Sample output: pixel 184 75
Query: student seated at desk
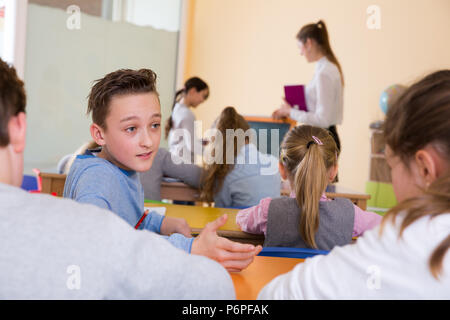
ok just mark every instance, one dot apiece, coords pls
pixel 407 256
pixel 164 166
pixel 180 128
pixel 53 248
pixel 307 219
pixel 126 124
pixel 248 177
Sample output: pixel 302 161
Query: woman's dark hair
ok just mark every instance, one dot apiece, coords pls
pixel 319 33
pixel 194 82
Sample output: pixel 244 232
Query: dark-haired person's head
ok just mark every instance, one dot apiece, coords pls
pixel 194 92
pixel 12 125
pixel 118 83
pixel 126 116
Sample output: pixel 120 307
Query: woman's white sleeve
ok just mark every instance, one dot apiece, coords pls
pixel 324 115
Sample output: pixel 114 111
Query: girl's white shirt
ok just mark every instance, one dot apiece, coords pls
pixel 183 118
pixel 324 97
pixel 375 267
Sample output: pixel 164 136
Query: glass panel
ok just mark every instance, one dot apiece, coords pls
pixel 72 43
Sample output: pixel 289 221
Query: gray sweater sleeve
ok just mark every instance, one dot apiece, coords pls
pixel 54 248
pixel 157 270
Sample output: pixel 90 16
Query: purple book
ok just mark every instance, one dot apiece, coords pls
pixel 295 96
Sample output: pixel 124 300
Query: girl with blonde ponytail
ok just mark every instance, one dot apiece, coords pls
pixel 407 256
pixel 307 219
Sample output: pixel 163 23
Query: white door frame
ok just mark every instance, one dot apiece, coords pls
pixel 182 45
pixel 14 45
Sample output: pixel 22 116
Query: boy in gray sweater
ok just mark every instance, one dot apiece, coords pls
pixel 54 248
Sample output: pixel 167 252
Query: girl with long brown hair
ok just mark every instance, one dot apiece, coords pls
pixel 407 257
pixel 233 179
pixel 324 94
pixel 307 219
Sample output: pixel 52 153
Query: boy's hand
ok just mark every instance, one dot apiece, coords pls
pixel 175 225
pixel 233 256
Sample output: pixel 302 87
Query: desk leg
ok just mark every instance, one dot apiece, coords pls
pixel 362 203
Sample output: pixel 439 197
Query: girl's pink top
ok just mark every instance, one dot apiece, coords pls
pixel 254 219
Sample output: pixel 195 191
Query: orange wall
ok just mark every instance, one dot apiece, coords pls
pixel 246 51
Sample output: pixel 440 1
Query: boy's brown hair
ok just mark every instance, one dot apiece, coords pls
pixel 12 99
pixel 120 82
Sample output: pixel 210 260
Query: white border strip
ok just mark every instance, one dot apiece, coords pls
pixel 15 34
pixel 182 47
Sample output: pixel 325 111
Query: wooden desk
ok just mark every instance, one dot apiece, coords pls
pixel 334 191
pixel 249 282
pixel 178 191
pixel 358 198
pixel 183 192
pixel 197 217
pixel 53 182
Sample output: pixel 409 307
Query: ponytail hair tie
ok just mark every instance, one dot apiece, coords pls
pixel 317 140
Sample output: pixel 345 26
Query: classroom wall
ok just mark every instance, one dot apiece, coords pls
pixel 62 64
pixel 246 50
pixel 92 7
pixel 160 14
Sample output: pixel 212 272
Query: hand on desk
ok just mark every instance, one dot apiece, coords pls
pixel 233 256
pixel 171 225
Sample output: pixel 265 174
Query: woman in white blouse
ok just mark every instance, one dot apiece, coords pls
pixel 324 94
pixel 181 142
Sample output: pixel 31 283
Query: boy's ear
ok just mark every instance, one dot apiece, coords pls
pixel 17 130
pixel 97 134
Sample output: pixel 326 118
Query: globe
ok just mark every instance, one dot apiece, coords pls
pixel 389 95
